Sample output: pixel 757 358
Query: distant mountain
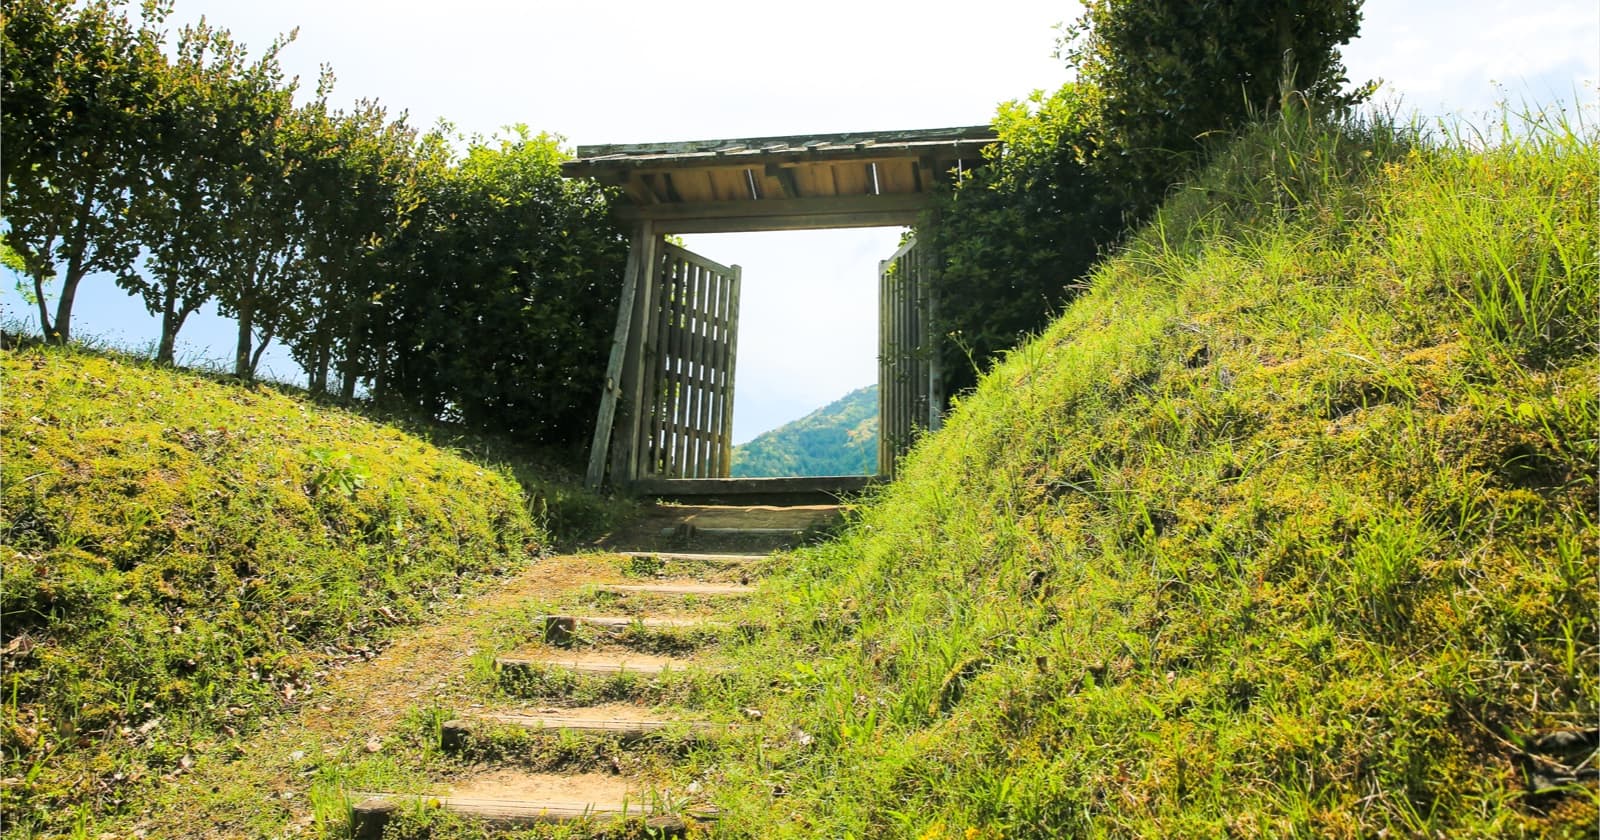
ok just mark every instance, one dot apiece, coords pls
pixel 838 439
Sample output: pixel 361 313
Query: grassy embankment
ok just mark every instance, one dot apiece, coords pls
pixel 1285 528
pixel 185 558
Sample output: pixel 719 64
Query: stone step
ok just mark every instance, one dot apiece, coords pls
pixel 454 733
pixel 703 589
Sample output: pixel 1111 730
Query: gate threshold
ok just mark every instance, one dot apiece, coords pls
pixel 792 490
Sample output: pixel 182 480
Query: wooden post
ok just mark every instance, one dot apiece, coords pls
pixel 933 339
pixel 637 374
pixel 598 449
pixel 885 399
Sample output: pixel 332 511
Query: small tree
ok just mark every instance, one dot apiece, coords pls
pixel 359 185
pixel 77 83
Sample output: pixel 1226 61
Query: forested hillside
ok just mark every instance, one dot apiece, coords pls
pixel 840 438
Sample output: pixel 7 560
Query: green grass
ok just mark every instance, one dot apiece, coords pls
pixel 185 558
pixel 1285 528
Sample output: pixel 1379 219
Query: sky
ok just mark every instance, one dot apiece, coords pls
pixel 633 72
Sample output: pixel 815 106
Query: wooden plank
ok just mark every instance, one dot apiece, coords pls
pixel 853 178
pixel 835 486
pixel 696 364
pixel 586 668
pixel 693 186
pixel 704 394
pixel 708 373
pixel 730 356
pixel 662 407
pixel 729 184
pixel 878 138
pixel 930 266
pixel 786 222
pixel 673 416
pixel 972 152
pixel 685 370
pixel 692 557
pixel 691 256
pixel 813 180
pixel 896 177
pixel 623 622
pixel 701 589
pixel 456 733
pixel 719 374
pixel 373 812
pixel 598 448
pixel 885 400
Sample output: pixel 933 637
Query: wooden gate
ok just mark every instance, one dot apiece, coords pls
pixel 910 393
pixel 685 425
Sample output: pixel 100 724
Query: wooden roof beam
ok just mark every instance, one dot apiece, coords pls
pixel 780 214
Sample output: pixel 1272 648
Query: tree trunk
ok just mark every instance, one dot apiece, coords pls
pixel 241 353
pixel 261 348
pixel 62 332
pixel 44 308
pixel 319 365
pixel 354 335
pixel 170 322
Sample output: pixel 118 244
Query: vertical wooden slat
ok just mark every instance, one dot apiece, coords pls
pixel 712 371
pixel 660 427
pixel 730 357
pixel 691 373
pixel 720 468
pixel 598 448
pixel 885 400
pixel 649 457
pixel 929 262
pixel 702 391
pixel 675 376
pixel 680 348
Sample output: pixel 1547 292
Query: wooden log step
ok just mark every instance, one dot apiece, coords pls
pixel 692 557
pixel 622 622
pixel 690 531
pixel 373 812
pixel 604 666
pixel 454 733
pixel 704 589
pixel 561 629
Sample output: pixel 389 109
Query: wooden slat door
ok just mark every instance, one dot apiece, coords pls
pixel 910 397
pixel 690 350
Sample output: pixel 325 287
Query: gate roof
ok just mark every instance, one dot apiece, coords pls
pixel 782 183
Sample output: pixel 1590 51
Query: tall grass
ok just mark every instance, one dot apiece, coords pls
pixel 1279 531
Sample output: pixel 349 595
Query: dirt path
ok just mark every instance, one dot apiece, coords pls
pixel 358 732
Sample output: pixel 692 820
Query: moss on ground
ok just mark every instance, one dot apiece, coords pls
pixel 185 557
